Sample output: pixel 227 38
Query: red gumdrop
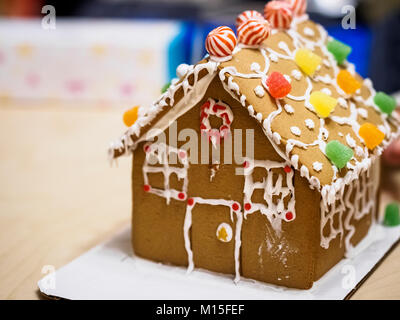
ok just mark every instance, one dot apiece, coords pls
pixel 278 86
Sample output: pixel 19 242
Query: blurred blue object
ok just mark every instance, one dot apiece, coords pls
pixel 180 48
pixel 360 40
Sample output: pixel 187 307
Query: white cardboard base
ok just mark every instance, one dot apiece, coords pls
pixel 111 271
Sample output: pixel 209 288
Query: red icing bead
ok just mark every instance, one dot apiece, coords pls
pixel 181 195
pixel 247 206
pixel 190 201
pixel 235 206
pixel 278 86
pixel 288 169
pixel 146 148
pixel 182 154
pixel 289 216
pixel 246 164
pixel 146 188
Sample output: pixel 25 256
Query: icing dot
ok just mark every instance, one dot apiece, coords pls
pixel 289 109
pixel 246 164
pixel 317 166
pixel 350 141
pixel 326 91
pixel 363 113
pixel 190 201
pixel 181 196
pixel 295 130
pixel 308 31
pixel 247 206
pixel 289 216
pixel 309 124
pixel 296 74
pixel 182 154
pixel 182 70
pixel 342 102
pixel 235 206
pixel 273 57
pixel 146 188
pixel 287 169
pixel 259 91
pixel 146 148
pixel 255 67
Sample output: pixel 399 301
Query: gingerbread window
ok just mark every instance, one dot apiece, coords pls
pixel 173 164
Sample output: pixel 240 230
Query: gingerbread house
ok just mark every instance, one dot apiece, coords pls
pixel 309 192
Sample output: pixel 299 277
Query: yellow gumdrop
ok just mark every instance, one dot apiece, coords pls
pixel 307 61
pixel 347 82
pixel 323 103
pixel 130 116
pixel 371 135
pixel 222 235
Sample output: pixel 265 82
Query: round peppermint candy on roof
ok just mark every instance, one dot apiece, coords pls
pixel 279 14
pixel 253 32
pixel 247 15
pixel 298 7
pixel 220 42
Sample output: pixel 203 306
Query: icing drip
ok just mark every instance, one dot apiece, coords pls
pixel 273 209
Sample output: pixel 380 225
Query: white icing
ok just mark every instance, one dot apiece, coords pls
pixel 326 91
pixel 309 124
pixel 259 91
pixel 317 166
pixel 295 130
pixel 288 108
pixel 296 74
pixel 308 32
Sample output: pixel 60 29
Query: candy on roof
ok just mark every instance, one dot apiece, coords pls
pixel 300 136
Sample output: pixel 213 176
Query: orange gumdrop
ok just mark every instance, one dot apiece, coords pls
pixel 130 116
pixel 371 135
pixel 347 82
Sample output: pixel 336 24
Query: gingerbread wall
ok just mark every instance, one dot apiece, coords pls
pixel 292 257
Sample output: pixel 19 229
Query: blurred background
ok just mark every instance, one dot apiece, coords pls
pixel 119 52
pixel 68 69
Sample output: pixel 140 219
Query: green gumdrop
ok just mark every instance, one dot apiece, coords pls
pixel 338 153
pixel 165 87
pixel 392 215
pixel 339 50
pixel 385 102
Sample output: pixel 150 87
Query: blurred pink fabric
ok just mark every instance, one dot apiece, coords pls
pixel 391 156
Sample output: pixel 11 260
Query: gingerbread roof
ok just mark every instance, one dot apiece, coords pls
pixel 291 124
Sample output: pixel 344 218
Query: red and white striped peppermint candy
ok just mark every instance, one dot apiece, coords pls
pixel 247 15
pixel 220 42
pixel 298 7
pixel 279 14
pixel 253 32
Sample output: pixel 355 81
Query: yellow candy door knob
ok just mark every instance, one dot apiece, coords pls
pixel 130 116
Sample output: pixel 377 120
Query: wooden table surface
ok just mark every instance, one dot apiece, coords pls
pixel 59 196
